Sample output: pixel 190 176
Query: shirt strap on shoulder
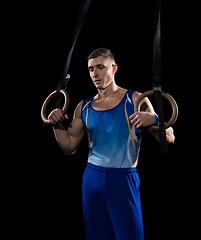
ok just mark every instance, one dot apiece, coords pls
pixel 86 103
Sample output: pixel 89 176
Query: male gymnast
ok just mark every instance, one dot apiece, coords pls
pixel 110 191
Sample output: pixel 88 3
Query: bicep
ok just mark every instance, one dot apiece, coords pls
pixel 76 129
pixel 145 104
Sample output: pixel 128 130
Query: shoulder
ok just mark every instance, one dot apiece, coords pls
pixel 82 106
pixel 135 96
pixel 78 109
pixel 122 91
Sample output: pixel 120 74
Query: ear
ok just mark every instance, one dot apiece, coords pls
pixel 114 68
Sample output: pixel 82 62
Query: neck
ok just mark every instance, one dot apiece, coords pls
pixel 108 91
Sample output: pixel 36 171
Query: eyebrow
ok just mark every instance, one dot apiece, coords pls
pixel 97 65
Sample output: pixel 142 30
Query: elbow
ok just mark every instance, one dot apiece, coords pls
pixel 170 137
pixel 170 140
pixel 68 152
pixel 67 149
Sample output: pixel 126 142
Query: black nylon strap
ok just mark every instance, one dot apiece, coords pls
pixel 157 76
pixel 162 133
pixel 80 21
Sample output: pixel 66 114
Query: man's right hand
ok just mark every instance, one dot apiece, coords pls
pixel 70 139
pixel 56 116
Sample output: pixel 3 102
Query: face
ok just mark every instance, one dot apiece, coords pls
pixel 102 71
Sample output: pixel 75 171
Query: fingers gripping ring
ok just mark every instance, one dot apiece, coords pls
pixel 48 99
pixel 171 101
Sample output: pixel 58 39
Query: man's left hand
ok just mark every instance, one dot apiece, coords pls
pixel 142 119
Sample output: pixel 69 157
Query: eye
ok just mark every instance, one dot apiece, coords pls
pixel 101 67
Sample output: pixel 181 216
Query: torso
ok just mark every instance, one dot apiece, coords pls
pixel 113 141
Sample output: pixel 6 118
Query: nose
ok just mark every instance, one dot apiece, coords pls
pixel 95 74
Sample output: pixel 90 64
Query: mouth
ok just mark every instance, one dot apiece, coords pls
pixel 97 81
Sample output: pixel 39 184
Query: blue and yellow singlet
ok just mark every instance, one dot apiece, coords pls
pixel 113 141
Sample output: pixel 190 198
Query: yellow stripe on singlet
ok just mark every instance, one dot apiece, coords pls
pixel 129 128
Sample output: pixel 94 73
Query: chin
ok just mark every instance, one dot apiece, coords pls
pixel 99 87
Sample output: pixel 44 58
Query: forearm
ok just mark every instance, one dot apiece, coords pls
pixel 63 138
pixel 147 118
pixel 169 135
pixel 70 139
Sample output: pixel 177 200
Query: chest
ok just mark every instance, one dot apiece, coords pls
pixel 106 124
pixel 108 117
pixel 106 104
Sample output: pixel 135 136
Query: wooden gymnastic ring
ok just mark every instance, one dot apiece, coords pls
pixel 48 99
pixel 171 101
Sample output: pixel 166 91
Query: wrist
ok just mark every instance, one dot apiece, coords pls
pixel 58 126
pixel 157 120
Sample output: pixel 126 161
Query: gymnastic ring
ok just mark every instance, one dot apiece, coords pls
pixel 48 99
pixel 171 101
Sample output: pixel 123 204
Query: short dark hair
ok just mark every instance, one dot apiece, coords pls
pixel 101 52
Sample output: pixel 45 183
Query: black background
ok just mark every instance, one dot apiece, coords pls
pixel 49 184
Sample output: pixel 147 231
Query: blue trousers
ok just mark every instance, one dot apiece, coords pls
pixel 111 203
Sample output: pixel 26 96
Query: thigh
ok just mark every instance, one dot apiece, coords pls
pixel 97 219
pixel 123 202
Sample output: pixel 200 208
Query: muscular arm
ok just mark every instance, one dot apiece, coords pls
pixel 146 118
pixel 70 139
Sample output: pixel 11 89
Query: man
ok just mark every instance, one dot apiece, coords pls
pixel 111 198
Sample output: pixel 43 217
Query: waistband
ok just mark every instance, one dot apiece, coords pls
pixel 119 170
